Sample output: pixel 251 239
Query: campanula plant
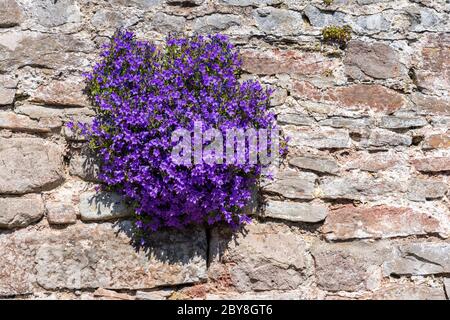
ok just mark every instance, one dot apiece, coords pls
pixel 141 95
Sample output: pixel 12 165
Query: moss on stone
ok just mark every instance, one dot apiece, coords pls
pixel 337 34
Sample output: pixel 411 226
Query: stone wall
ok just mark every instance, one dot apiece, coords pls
pixel 359 209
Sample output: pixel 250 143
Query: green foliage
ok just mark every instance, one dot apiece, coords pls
pixel 327 2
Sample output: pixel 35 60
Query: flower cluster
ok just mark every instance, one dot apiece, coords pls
pixel 142 94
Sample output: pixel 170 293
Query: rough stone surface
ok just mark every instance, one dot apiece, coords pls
pixel 376 60
pixel 423 189
pixel 87 256
pixel 28 164
pixel 420 258
pixel 316 163
pixel 296 211
pixel 366 174
pixel 351 222
pixel 10 13
pixel 355 266
pixel 18 212
pixel 262 257
pixel 97 206
pixel 293 185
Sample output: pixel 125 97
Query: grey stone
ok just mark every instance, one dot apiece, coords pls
pixel 394 122
pixel 54 13
pixel 89 256
pixel 98 206
pixel 216 23
pixel 296 211
pixel 10 14
pixel 349 266
pixel 246 3
pixel 356 186
pixel 140 4
pixel 85 165
pixel 382 139
pixel 320 19
pixel 263 257
pixel 162 294
pixel 371 24
pixel 292 185
pixel 323 138
pixel 409 292
pixel 420 258
pixel 295 119
pixel 279 22
pixel 20 211
pixel 52 51
pixel 353 124
pixel 424 189
pixel 29 164
pixel 105 19
pixel 164 23
pixel 186 2
pixel 316 163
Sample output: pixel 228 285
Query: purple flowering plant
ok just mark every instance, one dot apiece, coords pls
pixel 141 95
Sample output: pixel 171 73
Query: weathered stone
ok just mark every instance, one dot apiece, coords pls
pixel 29 164
pixel 86 256
pixel 420 258
pixel 97 206
pixel 20 211
pixel 105 19
pixel 265 295
pixel 85 165
pixel 15 122
pixel 162 294
pixel 55 113
pixel 277 61
pixel 433 164
pixel 54 13
pixel 10 14
pixel 164 23
pixel 112 295
pixel 370 24
pixel 351 222
pixel 353 124
pixel 294 119
pixel 323 138
pixel 264 257
pixel 61 93
pixel 354 97
pixel 409 292
pixel 280 22
pixel 296 211
pixel 376 60
pixel 216 23
pixel 292 185
pixel 318 18
pixel 373 162
pixel 245 3
pixel 429 105
pixel 426 189
pixel 393 122
pixel 316 163
pixel 447 286
pixel 7 90
pixel 385 139
pixel 349 266
pixel 433 73
pixel 53 51
pixel 60 213
pixel 356 186
pixel 437 141
pixel 141 4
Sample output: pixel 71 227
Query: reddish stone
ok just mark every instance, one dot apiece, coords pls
pixel 373 162
pixel 429 105
pixel 434 164
pixel 437 141
pixel 61 93
pixel 277 61
pixel 357 96
pixel 351 222
pixel 433 73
